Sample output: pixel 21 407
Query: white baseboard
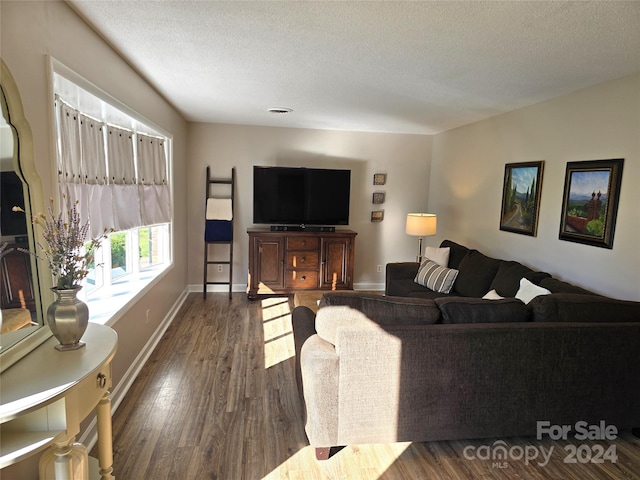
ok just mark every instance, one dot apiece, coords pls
pixel 375 287
pixel 90 435
pixel 236 287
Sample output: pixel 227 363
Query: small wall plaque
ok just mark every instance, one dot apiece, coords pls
pixel 380 179
pixel 378 198
pixel 377 215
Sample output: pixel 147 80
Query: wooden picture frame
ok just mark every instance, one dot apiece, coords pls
pixel 377 216
pixel 590 201
pixel 378 198
pixel 521 192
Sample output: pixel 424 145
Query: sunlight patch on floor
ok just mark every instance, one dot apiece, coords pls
pixel 350 462
pixel 278 334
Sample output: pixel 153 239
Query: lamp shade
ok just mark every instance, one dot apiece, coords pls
pixel 421 224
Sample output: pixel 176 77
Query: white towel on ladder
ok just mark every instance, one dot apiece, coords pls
pixel 219 209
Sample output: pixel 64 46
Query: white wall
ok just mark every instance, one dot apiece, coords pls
pixel 405 159
pixel 467 171
pixel 29 32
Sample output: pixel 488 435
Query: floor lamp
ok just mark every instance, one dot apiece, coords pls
pixel 421 225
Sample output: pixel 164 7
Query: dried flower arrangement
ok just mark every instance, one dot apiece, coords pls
pixel 66 250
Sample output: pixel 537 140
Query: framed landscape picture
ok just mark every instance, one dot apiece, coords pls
pixel 521 197
pixel 590 201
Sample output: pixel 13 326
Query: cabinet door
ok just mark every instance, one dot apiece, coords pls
pixel 336 263
pixel 269 268
pixel 15 280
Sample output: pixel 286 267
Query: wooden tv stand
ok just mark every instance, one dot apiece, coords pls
pixel 289 261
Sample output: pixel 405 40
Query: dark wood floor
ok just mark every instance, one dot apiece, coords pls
pixel 218 400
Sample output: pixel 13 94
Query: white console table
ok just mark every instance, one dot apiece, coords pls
pixel 45 396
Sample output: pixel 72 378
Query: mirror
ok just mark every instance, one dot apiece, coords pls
pixel 22 326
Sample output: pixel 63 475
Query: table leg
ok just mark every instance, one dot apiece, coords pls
pixel 105 442
pixel 65 461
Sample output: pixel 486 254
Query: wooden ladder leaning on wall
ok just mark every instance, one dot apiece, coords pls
pixel 219 220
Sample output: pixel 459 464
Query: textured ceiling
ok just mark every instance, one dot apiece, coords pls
pixel 406 67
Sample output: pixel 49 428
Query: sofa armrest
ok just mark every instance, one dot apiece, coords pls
pixel 370 385
pixel 320 371
pixel 400 271
pixel 303 322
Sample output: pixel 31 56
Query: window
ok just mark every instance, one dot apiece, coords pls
pixel 115 166
pixel 152 246
pixel 120 260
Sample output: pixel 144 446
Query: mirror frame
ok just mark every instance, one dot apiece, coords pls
pixel 26 164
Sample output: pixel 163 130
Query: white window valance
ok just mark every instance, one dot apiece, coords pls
pixel 69 154
pixel 97 168
pixel 94 165
pixel 152 161
pixel 122 178
pixel 95 195
pixel 152 177
pixel 122 170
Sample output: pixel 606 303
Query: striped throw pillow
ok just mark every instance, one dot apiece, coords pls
pixel 436 278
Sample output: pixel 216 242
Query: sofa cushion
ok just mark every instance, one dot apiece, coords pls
pixel 528 291
pixel 409 288
pixel 386 310
pixel 477 271
pixel 435 277
pixel 577 307
pixel 507 279
pixel 438 255
pixel 558 286
pixel 456 252
pixel 478 310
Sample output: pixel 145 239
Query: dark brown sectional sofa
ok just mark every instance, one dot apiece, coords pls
pixel 478 275
pixel 418 366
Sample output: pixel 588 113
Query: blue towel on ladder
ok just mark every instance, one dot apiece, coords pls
pixel 218 231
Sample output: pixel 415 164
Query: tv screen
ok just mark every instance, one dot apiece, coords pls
pixel 301 196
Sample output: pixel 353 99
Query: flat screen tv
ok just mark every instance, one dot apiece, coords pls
pixel 301 196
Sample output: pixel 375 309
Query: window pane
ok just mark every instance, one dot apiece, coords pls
pixel 151 245
pixel 94 278
pixel 118 254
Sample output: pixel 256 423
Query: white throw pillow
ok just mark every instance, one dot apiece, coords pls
pixel 438 255
pixel 492 295
pixel 528 291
